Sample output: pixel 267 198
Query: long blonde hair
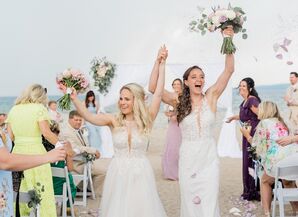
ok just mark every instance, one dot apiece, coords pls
pixel 268 109
pixel 140 110
pixel 33 94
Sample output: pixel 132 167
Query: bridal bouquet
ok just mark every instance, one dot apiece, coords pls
pixel 221 18
pixel 70 78
pixel 102 72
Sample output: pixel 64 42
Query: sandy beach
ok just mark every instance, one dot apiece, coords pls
pixel 230 180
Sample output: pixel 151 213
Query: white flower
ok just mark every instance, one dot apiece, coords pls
pixel 101 71
pixel 66 73
pixel 230 14
pixel 210 27
pixel 220 12
pixel 215 20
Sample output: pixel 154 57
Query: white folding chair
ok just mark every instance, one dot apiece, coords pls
pixel 86 178
pixel 25 198
pixel 66 193
pixel 286 169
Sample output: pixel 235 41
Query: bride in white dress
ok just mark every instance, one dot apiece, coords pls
pixel 129 188
pixel 198 159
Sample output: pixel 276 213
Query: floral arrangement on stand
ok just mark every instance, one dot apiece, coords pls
pixel 69 79
pixel 221 18
pixel 35 196
pixel 102 72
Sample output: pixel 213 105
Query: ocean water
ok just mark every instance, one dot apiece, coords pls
pixel 273 93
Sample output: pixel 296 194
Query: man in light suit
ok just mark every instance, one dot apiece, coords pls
pixel 72 133
pixel 291 99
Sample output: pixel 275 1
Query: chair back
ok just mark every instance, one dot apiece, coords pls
pixel 287 168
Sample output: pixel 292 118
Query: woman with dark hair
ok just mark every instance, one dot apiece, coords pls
pixel 198 159
pixel 170 157
pixel 248 116
pixel 93 131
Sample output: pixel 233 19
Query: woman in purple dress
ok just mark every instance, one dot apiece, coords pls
pixel 170 157
pixel 248 115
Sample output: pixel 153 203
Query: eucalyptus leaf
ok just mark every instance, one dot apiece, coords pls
pixel 244 36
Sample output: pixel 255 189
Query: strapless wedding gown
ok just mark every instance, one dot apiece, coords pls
pixel 129 188
pixel 199 164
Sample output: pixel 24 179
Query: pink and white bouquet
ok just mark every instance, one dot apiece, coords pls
pixel 69 79
pixel 221 18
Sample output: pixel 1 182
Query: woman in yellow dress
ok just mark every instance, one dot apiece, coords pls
pixel 27 121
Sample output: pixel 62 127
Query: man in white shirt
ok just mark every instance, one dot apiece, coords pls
pixel 72 133
pixel 291 99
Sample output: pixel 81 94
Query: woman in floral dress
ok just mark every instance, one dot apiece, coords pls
pixel 269 130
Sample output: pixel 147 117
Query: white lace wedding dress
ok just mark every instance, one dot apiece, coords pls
pixel 199 164
pixel 129 189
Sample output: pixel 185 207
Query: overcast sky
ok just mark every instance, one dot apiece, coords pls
pixel 38 39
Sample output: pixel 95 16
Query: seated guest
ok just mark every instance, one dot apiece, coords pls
pixel 269 130
pixel 57 181
pixel 54 114
pixel 72 133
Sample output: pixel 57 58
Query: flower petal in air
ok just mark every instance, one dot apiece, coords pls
pixel 196 200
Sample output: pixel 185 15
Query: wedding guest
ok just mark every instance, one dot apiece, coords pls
pixel 17 162
pixel 291 99
pixel 54 114
pixel 27 121
pixel 170 157
pixel 270 129
pixel 248 115
pixel 73 134
pixel 94 136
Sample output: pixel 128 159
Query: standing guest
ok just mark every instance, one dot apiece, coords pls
pixel 270 129
pixel 248 115
pixel 16 162
pixel 94 137
pixel 198 158
pixel 54 114
pixel 130 188
pixel 170 157
pixel 27 121
pixel 291 99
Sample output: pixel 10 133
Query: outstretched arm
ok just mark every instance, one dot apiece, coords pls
pixel 217 89
pixel 167 97
pixel 157 96
pixel 97 119
pixel 18 162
